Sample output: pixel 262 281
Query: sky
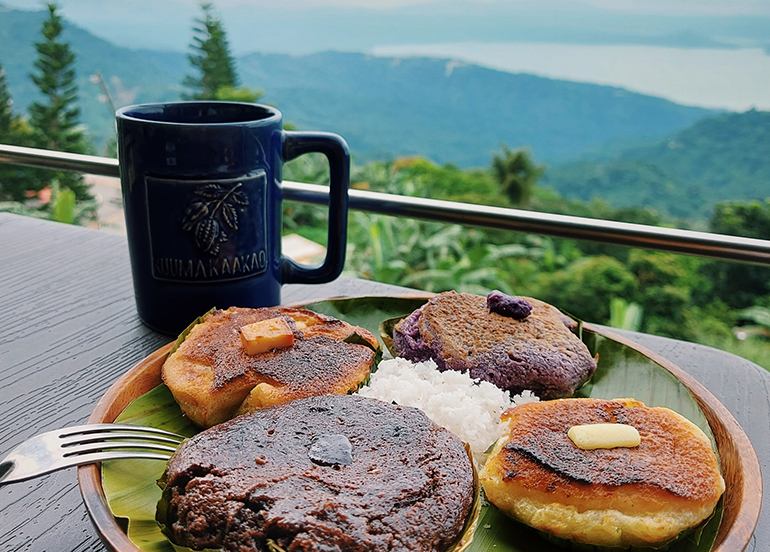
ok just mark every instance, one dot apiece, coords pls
pixel 301 26
pixel 634 6
pixel 686 7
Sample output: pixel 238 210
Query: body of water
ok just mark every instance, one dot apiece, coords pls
pixel 735 79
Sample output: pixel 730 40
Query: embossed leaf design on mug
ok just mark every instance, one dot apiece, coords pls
pixel 214 209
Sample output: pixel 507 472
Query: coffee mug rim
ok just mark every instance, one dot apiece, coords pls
pixel 273 117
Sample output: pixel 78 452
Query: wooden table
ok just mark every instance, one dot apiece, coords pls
pixel 70 329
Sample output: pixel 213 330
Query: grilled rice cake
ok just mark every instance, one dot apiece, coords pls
pixel 619 497
pixel 213 378
pixel 458 332
pixel 326 473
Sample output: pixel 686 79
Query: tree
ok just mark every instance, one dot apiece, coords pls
pixel 587 286
pixel 6 109
pixel 14 180
pixel 420 177
pixel 517 174
pixel 665 281
pixel 55 119
pixel 210 56
pixel 739 285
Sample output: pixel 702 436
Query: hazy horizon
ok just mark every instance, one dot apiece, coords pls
pixel 703 53
pixel 733 79
pixel 303 26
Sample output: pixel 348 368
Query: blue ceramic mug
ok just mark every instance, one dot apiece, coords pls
pixel 201 188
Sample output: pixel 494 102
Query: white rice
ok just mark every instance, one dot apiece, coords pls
pixel 469 408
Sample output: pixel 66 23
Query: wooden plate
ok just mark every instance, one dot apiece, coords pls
pixel 740 467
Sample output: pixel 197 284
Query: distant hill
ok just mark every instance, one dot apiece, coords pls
pixel 719 158
pixel 444 110
pixel 454 112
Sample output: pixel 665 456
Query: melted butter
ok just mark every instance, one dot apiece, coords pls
pixel 604 436
pixel 266 335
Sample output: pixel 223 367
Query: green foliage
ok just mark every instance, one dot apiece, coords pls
pixel 586 287
pixel 19 208
pixel 742 218
pixel 759 323
pixel 433 256
pixel 685 175
pixel 756 314
pixel 625 315
pixel 14 180
pixel 63 204
pixel 664 281
pixel 6 108
pixel 55 119
pixel 212 61
pixel 737 284
pixel 417 176
pixel 517 174
pixel 62 207
pixel 237 94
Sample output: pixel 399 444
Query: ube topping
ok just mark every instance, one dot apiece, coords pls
pixel 517 308
pixel 409 343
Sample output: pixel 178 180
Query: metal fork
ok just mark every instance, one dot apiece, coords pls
pixel 84 444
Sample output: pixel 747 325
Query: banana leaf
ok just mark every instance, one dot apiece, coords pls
pixel 133 494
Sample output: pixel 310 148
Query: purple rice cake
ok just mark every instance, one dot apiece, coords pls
pixel 528 346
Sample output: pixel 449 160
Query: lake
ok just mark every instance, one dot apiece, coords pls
pixel 736 79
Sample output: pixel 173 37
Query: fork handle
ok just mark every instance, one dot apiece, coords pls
pixel 7 466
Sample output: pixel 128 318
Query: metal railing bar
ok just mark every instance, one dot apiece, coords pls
pixel 60 160
pixel 564 226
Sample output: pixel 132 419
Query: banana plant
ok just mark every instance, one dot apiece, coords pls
pixel 760 323
pixel 625 315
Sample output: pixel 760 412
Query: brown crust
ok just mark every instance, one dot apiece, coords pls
pixel 210 374
pixel 220 347
pixel 674 464
pixel 409 485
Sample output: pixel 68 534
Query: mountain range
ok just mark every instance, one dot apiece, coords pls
pixel 597 141
pixel 684 175
pixel 385 107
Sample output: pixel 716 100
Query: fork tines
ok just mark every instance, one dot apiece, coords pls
pixel 110 428
pixel 88 439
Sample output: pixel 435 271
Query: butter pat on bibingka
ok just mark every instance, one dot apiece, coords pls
pixel 528 347
pixel 641 496
pixel 239 360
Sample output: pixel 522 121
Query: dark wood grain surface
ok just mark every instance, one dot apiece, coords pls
pixel 70 329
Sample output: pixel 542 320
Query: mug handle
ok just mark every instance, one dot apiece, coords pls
pixel 336 151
